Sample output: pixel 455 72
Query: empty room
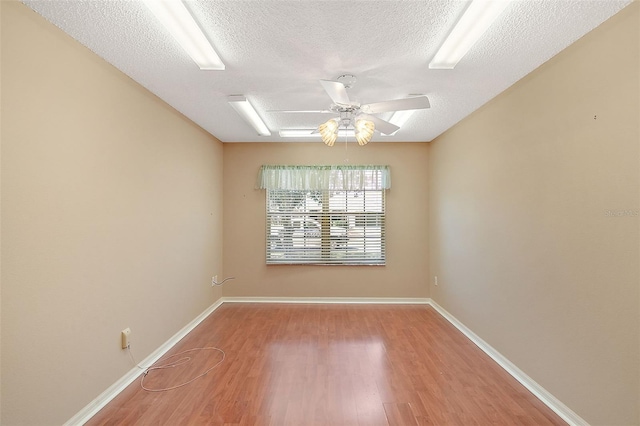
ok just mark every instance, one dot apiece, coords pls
pixel 320 212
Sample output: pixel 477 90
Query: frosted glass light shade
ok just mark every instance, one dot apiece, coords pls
pixel 329 132
pixel 364 131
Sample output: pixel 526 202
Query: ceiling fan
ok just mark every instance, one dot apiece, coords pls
pixel 356 116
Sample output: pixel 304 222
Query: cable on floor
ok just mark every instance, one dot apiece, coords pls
pixel 173 364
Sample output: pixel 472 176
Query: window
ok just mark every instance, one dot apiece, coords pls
pixel 325 214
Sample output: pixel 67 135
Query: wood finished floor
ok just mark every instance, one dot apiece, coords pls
pixel 308 364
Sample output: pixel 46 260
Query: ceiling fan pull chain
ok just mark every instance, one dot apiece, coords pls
pixel 346 135
pixel 346 146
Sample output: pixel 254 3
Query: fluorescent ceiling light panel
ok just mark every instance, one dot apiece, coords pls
pixel 472 25
pixel 299 133
pixel 309 133
pixel 246 111
pixel 399 118
pixel 174 15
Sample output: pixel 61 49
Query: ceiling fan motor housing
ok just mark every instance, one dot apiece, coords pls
pixel 347 80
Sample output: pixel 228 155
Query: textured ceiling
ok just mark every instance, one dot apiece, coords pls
pixel 275 51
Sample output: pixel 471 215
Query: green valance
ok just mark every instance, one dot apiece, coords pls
pixel 337 178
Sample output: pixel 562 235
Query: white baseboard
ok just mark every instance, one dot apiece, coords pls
pixel 112 391
pixel 361 300
pixel 542 394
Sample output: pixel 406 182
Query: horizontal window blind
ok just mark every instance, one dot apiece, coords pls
pixel 325 227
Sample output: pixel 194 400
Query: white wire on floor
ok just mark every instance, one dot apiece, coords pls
pixel 174 364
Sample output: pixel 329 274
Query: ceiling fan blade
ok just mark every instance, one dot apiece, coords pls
pixel 382 126
pixel 417 102
pixel 336 91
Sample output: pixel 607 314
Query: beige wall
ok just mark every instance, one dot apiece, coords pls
pixel 111 218
pixel 0 221
pixel 524 251
pixel 404 276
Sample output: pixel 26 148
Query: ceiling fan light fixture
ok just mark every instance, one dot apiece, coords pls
pixel 364 131
pixel 362 140
pixel 329 131
pixel 249 114
pixel 173 14
pixel 475 20
pixel 330 140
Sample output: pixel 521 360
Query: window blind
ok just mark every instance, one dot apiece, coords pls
pixel 327 225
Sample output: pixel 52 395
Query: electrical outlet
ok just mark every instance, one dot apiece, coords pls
pixel 435 280
pixel 214 280
pixel 126 336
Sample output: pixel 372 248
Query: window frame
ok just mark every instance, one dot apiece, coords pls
pixel 361 242
pixel 365 239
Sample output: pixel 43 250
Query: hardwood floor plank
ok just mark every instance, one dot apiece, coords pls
pixel 400 414
pixel 314 365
